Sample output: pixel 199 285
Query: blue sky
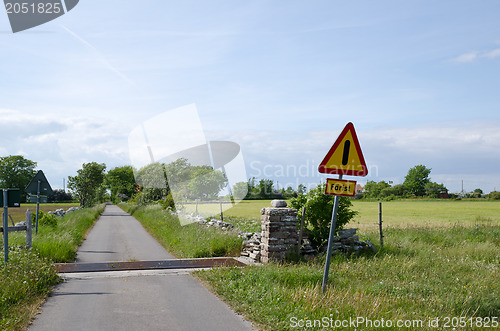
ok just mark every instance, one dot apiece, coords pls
pixel 420 80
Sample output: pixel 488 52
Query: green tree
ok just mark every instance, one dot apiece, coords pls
pixel 477 193
pixel 416 179
pixel 495 195
pixel 88 186
pixel 240 190
pixel 121 182
pixel 180 178
pixel 152 180
pixel 16 172
pixel 396 190
pixel 302 189
pixel 253 191
pixel 433 190
pixel 374 189
pixel 205 183
pixel 265 189
pixel 179 171
pixel 319 207
pixel 289 193
pixel 59 196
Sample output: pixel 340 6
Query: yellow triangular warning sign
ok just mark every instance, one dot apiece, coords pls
pixel 345 156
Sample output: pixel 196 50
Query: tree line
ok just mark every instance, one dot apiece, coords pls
pixel 93 184
pixel 417 183
pixel 151 183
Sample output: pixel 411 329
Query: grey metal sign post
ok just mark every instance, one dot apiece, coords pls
pixel 38 184
pixel 37 206
pixel 343 158
pixel 330 241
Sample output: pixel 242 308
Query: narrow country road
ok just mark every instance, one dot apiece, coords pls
pixel 131 300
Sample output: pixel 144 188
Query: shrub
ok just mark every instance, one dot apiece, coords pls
pixel 45 219
pixel 168 202
pixel 319 213
pixel 48 220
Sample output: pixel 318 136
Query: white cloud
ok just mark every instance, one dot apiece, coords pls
pixel 61 145
pixel 475 55
pixel 492 54
pixel 465 58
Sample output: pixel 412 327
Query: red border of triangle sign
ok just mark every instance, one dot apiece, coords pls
pixel 345 156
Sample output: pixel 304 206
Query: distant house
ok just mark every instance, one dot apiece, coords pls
pixel 444 194
pixel 359 189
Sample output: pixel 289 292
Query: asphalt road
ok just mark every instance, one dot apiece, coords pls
pixel 131 300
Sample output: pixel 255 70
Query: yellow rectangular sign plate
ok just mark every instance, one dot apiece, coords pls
pixel 346 188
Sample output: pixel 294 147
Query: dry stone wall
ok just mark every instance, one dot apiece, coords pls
pixel 279 236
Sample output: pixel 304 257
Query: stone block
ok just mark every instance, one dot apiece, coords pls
pixel 281 235
pixel 276 248
pixel 346 233
pixel 290 229
pixel 278 203
pixel 254 256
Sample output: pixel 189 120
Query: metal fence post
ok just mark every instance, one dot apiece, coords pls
pixel 5 226
pixel 29 229
pixel 221 213
pixel 301 232
pixel 380 224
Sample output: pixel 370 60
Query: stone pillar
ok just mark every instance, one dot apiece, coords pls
pixel 279 231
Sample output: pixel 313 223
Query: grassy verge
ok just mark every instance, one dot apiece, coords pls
pixel 29 275
pixel 26 280
pixel 186 241
pixel 60 243
pixel 421 274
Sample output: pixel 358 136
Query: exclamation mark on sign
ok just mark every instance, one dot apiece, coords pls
pixel 345 156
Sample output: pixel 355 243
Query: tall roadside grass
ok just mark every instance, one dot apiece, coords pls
pixel 421 274
pixel 189 241
pixel 25 282
pixel 29 275
pixel 60 243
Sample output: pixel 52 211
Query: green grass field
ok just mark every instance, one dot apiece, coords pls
pixel 439 264
pixel 397 213
pixel 18 214
pixel 433 213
